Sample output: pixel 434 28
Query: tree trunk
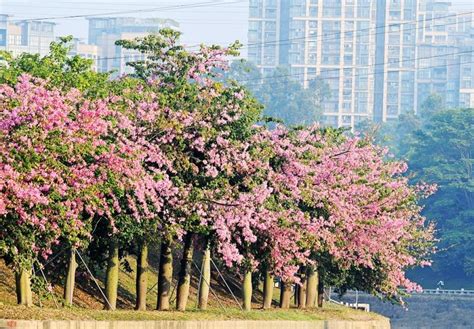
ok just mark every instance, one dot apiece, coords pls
pixel 165 276
pixel 320 290
pixel 111 284
pixel 70 279
pixel 285 295
pixel 23 287
pixel 302 290
pixel 247 290
pixel 267 290
pixel 205 279
pixel 184 278
pixel 141 280
pixel 311 287
pixel 295 295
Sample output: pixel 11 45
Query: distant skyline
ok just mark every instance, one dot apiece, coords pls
pixel 206 21
pixel 201 21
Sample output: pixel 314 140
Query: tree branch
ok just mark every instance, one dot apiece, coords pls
pixel 222 203
pixel 338 154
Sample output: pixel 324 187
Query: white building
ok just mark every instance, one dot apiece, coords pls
pixel 104 31
pixel 28 36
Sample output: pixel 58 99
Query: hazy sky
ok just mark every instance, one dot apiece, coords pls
pixel 208 21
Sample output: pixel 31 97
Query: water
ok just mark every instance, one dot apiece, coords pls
pixel 423 311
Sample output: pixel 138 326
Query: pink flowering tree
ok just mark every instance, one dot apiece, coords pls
pixel 145 204
pixel 261 224
pixel 200 129
pixel 357 196
pixel 319 201
pixel 66 161
pixel 49 189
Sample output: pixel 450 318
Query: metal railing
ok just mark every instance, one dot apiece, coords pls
pixel 444 292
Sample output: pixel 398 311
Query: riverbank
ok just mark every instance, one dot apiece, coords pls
pixel 424 311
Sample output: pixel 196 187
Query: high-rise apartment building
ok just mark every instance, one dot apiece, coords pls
pixel 104 31
pixel 380 58
pixel 330 39
pixel 466 76
pixel 394 58
pixel 445 47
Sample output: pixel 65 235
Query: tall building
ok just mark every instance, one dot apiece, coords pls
pixel 394 58
pixel 25 36
pixel 264 34
pixel 380 58
pixel 445 47
pixel 330 39
pixel 104 31
pixel 466 75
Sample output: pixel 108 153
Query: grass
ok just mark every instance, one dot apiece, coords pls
pixel 329 312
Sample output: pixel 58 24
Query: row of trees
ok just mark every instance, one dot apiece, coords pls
pixel 172 155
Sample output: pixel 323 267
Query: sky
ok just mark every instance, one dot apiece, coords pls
pixel 201 21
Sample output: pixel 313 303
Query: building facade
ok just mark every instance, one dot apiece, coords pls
pixel 445 51
pixel 395 58
pixel 380 58
pixel 25 36
pixel 329 39
pixel 104 31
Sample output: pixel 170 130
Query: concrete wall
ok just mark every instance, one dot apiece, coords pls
pixel 53 324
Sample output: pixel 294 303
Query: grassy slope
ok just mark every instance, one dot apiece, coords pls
pixel 89 305
pixel 329 312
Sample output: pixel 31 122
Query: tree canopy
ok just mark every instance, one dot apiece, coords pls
pixel 173 154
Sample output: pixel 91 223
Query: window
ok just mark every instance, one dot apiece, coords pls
pixel 392 98
pixel 255 12
pixel 395 14
pixel 47 28
pixel 350 11
pixel 270 13
pixel 255 26
pixel 99 24
pixel 363 12
pixel 332 8
pixel 346 107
